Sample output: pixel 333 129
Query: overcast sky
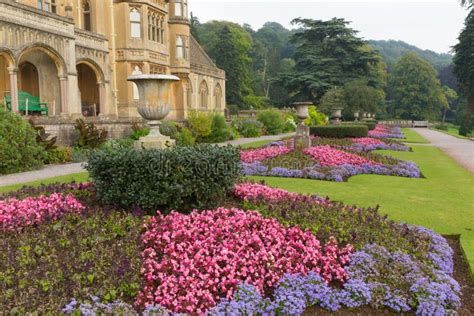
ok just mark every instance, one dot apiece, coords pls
pixel 431 24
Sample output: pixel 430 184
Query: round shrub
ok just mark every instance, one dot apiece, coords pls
pixel 249 127
pixel 220 130
pixel 58 155
pixel 272 120
pixel 169 128
pixel 18 147
pixel 185 137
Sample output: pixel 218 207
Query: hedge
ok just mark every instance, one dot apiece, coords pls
pixel 181 178
pixel 340 131
pixel 370 124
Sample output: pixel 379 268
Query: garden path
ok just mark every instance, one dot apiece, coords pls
pixel 461 150
pixel 72 168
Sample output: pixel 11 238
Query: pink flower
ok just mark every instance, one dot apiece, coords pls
pixel 15 213
pixel 251 191
pixel 367 141
pixel 192 261
pixel 254 155
pixel 330 157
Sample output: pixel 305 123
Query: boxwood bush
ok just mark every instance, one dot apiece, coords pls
pixel 19 150
pixel 181 178
pixel 340 131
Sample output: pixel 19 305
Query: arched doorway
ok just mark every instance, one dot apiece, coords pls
pixel 5 89
pixel 28 79
pixel 38 74
pixel 88 89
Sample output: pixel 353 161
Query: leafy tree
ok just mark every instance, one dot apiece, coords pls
pixel 359 96
pixel 464 62
pixel 327 54
pixel 229 45
pixel 416 89
pixel 467 3
pixel 334 98
pixel 194 22
pixel 450 95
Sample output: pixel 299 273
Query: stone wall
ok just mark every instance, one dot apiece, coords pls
pixel 67 135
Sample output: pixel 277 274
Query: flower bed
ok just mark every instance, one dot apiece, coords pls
pixel 15 213
pixel 189 263
pixel 386 131
pixel 253 155
pixel 268 251
pixel 334 163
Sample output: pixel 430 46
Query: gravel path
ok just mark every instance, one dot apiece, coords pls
pixel 66 169
pixel 461 150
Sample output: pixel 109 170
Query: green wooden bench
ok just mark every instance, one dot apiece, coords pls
pixel 34 103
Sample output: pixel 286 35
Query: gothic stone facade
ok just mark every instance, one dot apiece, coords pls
pixel 76 55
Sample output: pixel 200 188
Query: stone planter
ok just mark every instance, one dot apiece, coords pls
pixel 356 115
pixel 154 106
pixel 302 138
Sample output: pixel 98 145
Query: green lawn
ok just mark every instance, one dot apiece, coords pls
pixel 256 144
pixel 78 177
pixel 412 137
pixel 444 201
pixel 453 131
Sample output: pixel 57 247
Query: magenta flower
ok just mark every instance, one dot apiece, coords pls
pixel 330 157
pixel 253 155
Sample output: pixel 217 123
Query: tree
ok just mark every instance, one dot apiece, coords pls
pixel 327 54
pixel 450 95
pixel 229 45
pixel 416 89
pixel 467 3
pixel 334 98
pixel 464 61
pixel 194 22
pixel 359 96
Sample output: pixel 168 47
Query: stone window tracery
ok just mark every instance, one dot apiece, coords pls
pixel 156 27
pixel 135 23
pixel 203 95
pixel 181 47
pixel 86 12
pixel 218 96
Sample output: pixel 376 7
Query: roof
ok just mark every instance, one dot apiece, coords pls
pixel 201 62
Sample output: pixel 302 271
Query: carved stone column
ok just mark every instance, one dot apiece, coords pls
pixel 13 72
pixel 63 85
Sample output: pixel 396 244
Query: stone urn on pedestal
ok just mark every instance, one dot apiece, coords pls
pixel 336 115
pixel 356 115
pixel 154 106
pixel 302 138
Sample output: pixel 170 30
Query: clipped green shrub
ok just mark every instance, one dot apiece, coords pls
pixel 19 150
pixel 272 120
pixel 441 127
pixel 181 178
pixel 340 131
pixel 371 125
pixel 248 127
pixel 119 143
pixel 58 155
pixel 185 137
pixel 200 124
pixel 220 130
pixel 315 118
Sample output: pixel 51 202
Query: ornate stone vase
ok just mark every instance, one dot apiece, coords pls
pixel 356 115
pixel 302 138
pixel 154 106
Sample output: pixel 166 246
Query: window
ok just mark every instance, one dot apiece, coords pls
pixel 135 23
pixel 180 47
pixel 47 5
pixel 218 96
pixel 155 27
pixel 86 12
pixel 203 95
pixel 181 8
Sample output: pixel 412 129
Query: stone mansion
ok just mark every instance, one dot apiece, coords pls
pixel 76 55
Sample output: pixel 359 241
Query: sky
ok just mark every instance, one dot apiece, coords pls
pixel 433 24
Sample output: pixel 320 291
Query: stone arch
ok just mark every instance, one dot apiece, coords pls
pixel 90 82
pixel 7 65
pixel 95 67
pixel 58 60
pixel 218 96
pixel 204 95
pixel 52 74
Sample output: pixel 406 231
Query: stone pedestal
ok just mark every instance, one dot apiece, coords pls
pixel 154 142
pixel 302 138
